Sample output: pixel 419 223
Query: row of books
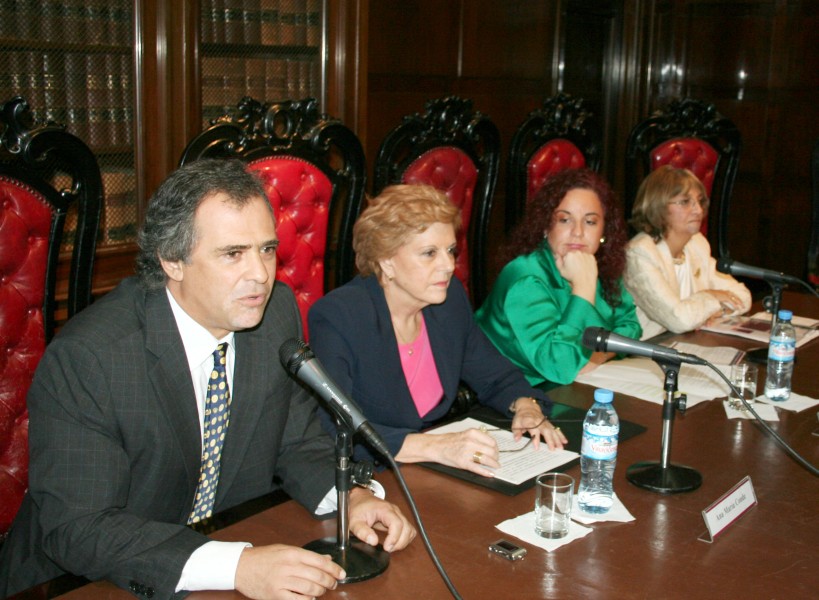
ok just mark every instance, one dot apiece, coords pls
pixel 92 94
pixel 226 80
pixel 118 221
pixel 267 22
pixel 95 22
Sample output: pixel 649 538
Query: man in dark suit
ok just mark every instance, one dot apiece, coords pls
pixel 118 405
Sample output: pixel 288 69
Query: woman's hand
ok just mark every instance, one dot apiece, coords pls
pixel 580 270
pixel 731 303
pixel 472 450
pixel 530 419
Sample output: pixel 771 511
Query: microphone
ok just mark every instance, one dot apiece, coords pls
pixel 732 267
pixel 299 359
pixel 598 339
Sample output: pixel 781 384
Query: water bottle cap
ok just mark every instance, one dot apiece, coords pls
pixel 603 396
pixel 785 315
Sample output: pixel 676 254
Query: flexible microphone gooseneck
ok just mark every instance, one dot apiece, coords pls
pixel 299 359
pixel 737 269
pixel 601 340
pixel 731 267
pixel 598 339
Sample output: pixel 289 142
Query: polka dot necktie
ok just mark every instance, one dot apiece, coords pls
pixel 217 416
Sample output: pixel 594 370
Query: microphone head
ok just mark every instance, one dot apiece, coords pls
pixel 293 353
pixel 594 338
pixel 724 265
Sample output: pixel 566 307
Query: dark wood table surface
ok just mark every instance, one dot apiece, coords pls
pixel 771 552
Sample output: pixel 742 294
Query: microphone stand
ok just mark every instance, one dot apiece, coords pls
pixel 359 560
pixel 771 304
pixel 663 477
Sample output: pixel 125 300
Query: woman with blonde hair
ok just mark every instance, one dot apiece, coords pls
pixel 401 336
pixel 669 268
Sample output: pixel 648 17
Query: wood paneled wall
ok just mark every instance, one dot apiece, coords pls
pixel 757 60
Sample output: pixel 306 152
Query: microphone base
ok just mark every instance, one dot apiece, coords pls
pixel 360 561
pixel 672 479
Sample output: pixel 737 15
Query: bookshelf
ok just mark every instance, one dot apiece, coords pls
pixel 266 49
pixel 73 61
pixel 136 79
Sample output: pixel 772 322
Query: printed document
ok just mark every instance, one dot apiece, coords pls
pixel 522 464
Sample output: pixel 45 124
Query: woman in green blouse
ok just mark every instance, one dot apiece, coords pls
pixel 567 260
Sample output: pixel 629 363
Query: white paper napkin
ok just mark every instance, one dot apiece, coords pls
pixel 618 512
pixel 523 528
pixel 796 403
pixel 765 411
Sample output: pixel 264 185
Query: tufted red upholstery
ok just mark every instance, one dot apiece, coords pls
pixel 300 195
pixel 450 170
pixel 25 224
pixel 32 217
pixel 554 156
pixel 689 134
pixel 697 156
pixel 561 134
pixel 314 172
pixel 456 150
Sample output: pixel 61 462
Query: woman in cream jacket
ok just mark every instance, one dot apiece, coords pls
pixel 669 269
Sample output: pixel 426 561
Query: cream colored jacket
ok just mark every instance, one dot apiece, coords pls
pixel 652 281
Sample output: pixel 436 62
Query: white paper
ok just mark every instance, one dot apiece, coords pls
pixel 523 528
pixel 766 412
pixel 644 379
pixel 716 355
pixel 758 327
pixel 618 512
pixel 796 402
pixel 516 467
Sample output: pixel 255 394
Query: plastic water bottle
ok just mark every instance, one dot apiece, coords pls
pixel 781 353
pixel 598 454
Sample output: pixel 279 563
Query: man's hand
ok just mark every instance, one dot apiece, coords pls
pixel 368 513
pixel 285 572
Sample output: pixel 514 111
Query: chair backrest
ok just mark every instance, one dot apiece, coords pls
pixel 456 150
pixel 314 173
pixel 813 245
pixel 562 134
pixel 689 134
pixel 44 171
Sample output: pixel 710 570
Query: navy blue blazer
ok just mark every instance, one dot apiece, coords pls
pixel 351 333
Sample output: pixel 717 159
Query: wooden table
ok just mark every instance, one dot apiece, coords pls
pixel 771 552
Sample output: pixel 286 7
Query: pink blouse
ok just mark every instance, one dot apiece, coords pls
pixel 420 372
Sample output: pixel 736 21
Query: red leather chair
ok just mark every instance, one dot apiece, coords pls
pixel 43 170
pixel 813 245
pixel 689 134
pixel 562 134
pixel 456 150
pixel 314 172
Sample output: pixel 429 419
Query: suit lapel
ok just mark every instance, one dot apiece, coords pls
pixel 249 385
pixel 171 381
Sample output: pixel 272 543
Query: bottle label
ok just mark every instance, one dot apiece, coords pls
pixel 782 350
pixel 600 447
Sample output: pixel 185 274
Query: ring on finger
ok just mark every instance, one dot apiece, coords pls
pixel 476 458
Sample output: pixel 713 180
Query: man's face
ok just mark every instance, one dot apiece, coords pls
pixel 228 279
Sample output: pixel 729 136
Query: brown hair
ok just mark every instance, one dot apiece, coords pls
pixel 390 218
pixel 656 190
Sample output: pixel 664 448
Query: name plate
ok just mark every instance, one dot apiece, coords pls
pixel 728 508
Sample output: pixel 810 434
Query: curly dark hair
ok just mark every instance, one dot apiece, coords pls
pixel 611 255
